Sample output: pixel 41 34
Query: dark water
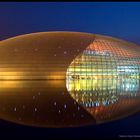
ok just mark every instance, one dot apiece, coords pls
pixel 44 103
pixel 47 103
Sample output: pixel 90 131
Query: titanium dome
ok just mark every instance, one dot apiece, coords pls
pixel 67 79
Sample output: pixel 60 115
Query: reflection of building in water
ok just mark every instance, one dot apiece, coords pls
pixel 103 72
pixel 102 77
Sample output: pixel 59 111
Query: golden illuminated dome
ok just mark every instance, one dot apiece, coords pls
pixel 63 79
pixel 41 55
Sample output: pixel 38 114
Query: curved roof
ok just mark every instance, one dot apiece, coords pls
pixel 47 55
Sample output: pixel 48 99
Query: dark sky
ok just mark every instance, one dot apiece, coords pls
pixel 117 19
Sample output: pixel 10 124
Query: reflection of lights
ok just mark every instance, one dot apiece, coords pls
pixel 26 75
pixel 90 95
pixel 9 84
pixel 55 83
pixel 10 75
pixel 10 79
pixel 55 75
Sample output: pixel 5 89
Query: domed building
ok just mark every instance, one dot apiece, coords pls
pixel 64 79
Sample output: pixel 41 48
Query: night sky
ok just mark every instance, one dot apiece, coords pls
pixel 116 19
